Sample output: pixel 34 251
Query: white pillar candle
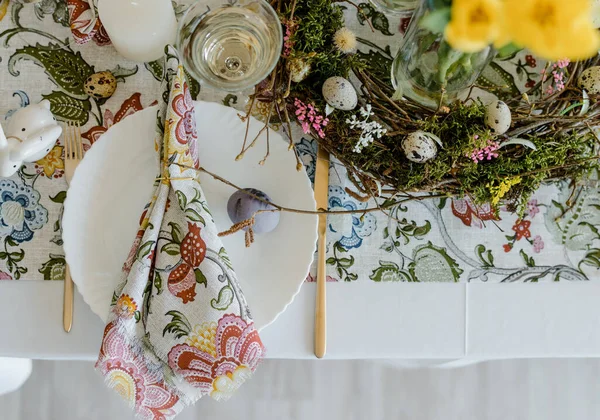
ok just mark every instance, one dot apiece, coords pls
pixel 139 29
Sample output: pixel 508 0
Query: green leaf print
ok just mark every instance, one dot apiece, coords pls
pixel 381 23
pixel 574 225
pixel 54 268
pixel 181 199
pixel 60 197
pixel 592 259
pixel 200 277
pixel 67 69
pixel 485 256
pixel 158 283
pixel 389 271
pixel 224 299
pixel 225 258
pixel 498 81
pixel 170 248
pixel 379 59
pixel 121 73
pixel 378 20
pixel 433 264
pixel 193 85
pixel 15 13
pixel 156 68
pixel 179 325
pixel 529 261
pixel 13 258
pixel 68 108
pixel 176 233
pixel 342 265
pixel 194 216
pixel 144 250
pixel 230 99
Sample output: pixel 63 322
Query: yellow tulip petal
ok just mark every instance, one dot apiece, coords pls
pixel 474 24
pixel 552 29
pixel 3 8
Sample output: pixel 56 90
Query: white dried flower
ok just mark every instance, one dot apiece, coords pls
pixel 299 69
pixel 371 130
pixel 345 40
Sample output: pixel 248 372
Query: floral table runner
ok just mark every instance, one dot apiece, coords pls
pixel 444 240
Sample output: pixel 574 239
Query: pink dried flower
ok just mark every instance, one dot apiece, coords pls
pixel 288 43
pixel 561 64
pixel 485 153
pixel 557 83
pixel 309 118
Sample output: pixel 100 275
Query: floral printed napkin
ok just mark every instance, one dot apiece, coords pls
pixel 85 23
pixel 164 349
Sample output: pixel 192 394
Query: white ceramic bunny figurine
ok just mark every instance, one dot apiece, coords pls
pixel 29 135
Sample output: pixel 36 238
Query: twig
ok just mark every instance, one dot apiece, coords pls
pixel 311 212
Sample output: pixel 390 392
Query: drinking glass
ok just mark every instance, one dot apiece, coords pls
pixel 230 44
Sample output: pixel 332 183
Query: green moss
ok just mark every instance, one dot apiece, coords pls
pixel 452 171
pixel 457 130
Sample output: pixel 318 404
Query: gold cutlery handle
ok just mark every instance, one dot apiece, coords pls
pixel 68 301
pixel 321 197
pixel 321 300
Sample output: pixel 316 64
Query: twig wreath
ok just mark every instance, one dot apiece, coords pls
pixel 551 135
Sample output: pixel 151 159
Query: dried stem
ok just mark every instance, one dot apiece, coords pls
pixel 408 197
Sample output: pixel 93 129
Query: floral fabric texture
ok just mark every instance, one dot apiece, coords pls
pixel 179 327
pixel 556 239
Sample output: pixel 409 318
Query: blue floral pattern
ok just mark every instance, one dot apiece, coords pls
pixel 348 235
pixel 307 152
pixel 20 210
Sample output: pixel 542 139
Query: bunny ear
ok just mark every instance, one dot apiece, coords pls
pixel 3 140
pixel 45 103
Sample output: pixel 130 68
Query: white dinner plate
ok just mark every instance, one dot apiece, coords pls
pixel 114 182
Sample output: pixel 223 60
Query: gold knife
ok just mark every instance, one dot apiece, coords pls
pixel 321 197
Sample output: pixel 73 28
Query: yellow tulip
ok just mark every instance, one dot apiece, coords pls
pixel 474 24
pixel 3 8
pixel 552 29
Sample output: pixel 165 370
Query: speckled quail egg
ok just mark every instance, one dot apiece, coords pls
pixel 590 80
pixel 497 117
pixel 100 85
pixel 419 146
pixel 340 94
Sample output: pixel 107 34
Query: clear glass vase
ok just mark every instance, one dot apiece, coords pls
pixel 396 7
pixel 427 70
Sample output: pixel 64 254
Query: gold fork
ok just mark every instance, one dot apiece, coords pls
pixel 73 155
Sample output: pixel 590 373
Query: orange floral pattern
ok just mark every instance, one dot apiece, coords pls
pixel 129 107
pixel 238 350
pixel 182 280
pixel 125 307
pixel 521 229
pixel 160 352
pixel 85 24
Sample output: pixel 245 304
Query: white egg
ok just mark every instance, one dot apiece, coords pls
pixel 497 117
pixel 590 80
pixel 419 147
pixel 339 93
